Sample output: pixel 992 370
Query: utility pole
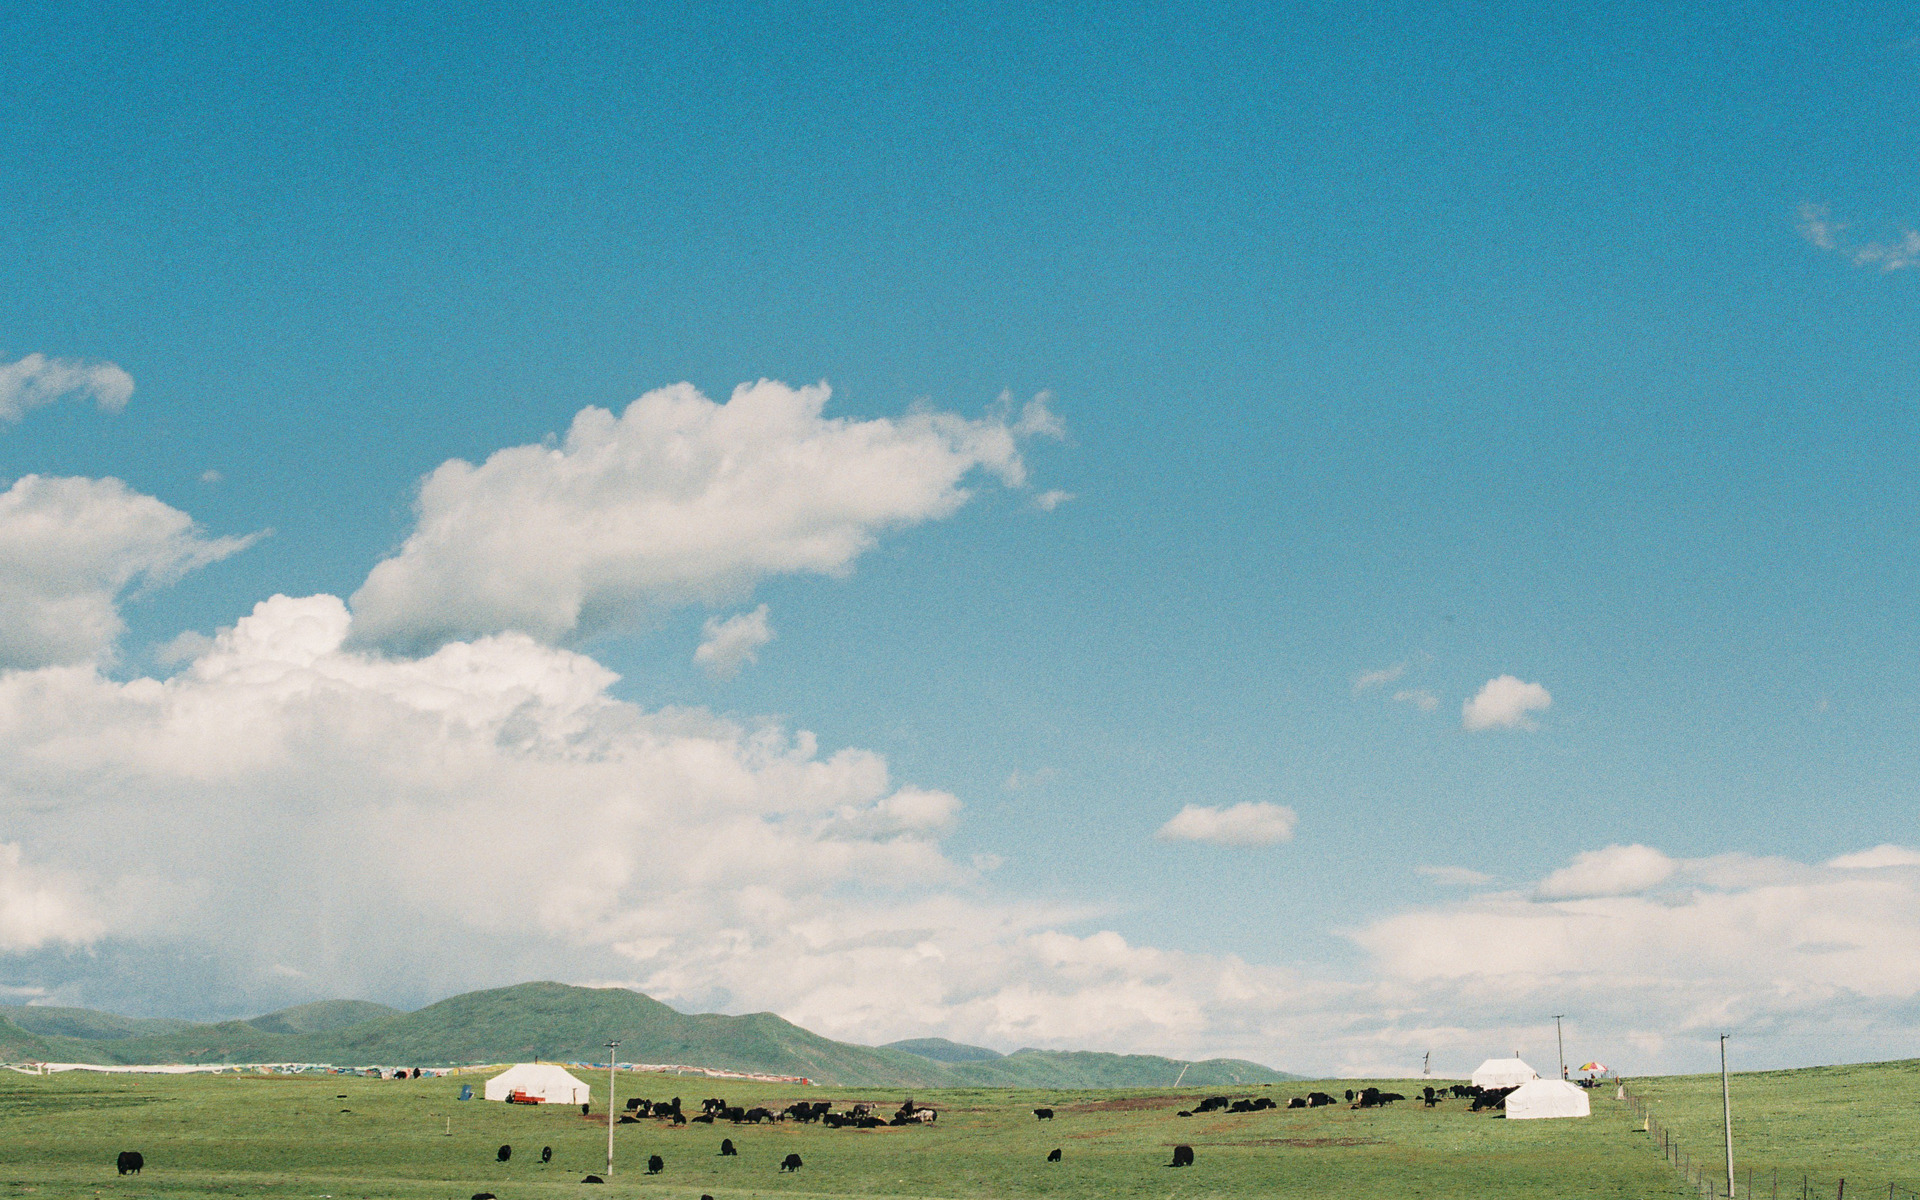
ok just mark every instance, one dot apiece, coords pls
pixel 1426 1065
pixel 612 1062
pixel 1558 1037
pixel 1726 1113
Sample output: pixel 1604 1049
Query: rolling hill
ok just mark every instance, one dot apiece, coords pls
pixel 559 1022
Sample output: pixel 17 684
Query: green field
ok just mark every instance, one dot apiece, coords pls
pixel 1819 1125
pixel 296 1136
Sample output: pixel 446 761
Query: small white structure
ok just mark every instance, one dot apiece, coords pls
pixel 1547 1098
pixel 538 1081
pixel 1503 1073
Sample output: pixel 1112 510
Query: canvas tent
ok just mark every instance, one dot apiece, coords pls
pixel 542 1081
pixel 1503 1073
pixel 1547 1098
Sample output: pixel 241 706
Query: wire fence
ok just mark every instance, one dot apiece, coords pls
pixel 1708 1175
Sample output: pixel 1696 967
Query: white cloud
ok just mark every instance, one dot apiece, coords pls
pixel 678 500
pixel 1050 500
pixel 1810 962
pixel 1369 679
pixel 1249 823
pixel 1818 227
pixel 1886 855
pixel 1420 698
pixel 1893 256
pixel 210 476
pixel 38 908
pixel 69 548
pixel 1455 876
pixel 1504 704
pixel 1614 871
pixel 727 645
pixel 374 815
pixel 1821 230
pixel 1018 780
pixel 376 818
pixel 37 380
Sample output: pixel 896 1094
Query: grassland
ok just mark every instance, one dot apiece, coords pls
pixel 338 1137
pixel 1820 1125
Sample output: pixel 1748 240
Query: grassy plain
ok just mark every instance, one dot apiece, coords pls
pixel 1820 1124
pixel 338 1137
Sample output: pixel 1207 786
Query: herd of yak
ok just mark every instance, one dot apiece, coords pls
pixel 1365 1098
pixel 863 1116
pixel 860 1116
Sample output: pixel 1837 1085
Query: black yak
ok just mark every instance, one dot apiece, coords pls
pixel 790 1163
pixel 506 1152
pixel 1044 1114
pixel 655 1164
pixel 130 1162
pixel 726 1148
pixel 546 1154
pixel 1183 1156
pixel 1053 1155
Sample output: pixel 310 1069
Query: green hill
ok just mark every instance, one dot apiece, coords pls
pixel 942 1050
pixel 322 1017
pixel 558 1022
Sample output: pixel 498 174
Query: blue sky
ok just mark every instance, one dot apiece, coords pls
pixel 1466 341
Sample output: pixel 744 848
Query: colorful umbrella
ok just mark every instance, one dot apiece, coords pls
pixel 1594 1066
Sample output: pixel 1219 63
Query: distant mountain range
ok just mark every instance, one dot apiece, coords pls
pixel 557 1022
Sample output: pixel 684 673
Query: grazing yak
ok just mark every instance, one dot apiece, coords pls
pixel 655 1164
pixel 727 1150
pixel 593 1179
pixel 130 1162
pixel 1043 1114
pixel 1183 1156
pixel 505 1153
pixel 790 1163
pixel 546 1154
pixel 484 1196
pixel 1320 1099
pixel 1296 1102
pixel 1053 1155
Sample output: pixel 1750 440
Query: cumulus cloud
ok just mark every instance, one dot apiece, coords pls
pixel 38 907
pixel 1614 871
pixel 727 645
pixel 37 380
pixel 1887 855
pixel 1504 703
pixel 1249 823
pixel 677 500
pixel 379 819
pixel 69 548
pixel 1810 961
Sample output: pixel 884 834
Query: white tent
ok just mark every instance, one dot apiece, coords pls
pixel 543 1081
pixel 1547 1098
pixel 1503 1073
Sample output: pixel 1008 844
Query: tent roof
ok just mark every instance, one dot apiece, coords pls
pixel 1503 1072
pixel 545 1080
pixel 1548 1098
pixel 522 1074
